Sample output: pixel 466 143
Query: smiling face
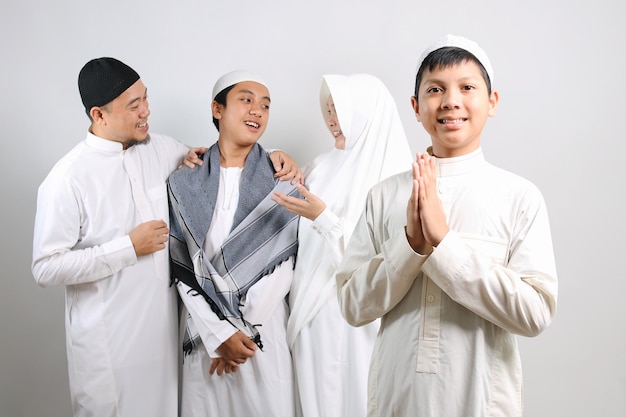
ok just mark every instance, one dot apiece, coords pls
pixel 332 122
pixel 453 106
pixel 125 119
pixel 244 118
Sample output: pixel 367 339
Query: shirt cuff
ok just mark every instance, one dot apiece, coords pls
pixel 213 340
pixel 326 222
pixel 401 256
pixel 120 253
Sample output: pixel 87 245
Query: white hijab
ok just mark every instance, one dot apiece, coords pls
pixel 375 148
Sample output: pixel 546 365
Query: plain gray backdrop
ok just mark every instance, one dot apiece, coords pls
pixel 559 68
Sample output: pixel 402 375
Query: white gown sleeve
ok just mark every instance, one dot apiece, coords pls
pixel 330 227
pixel 258 306
pixel 212 330
pixel 56 234
pixel 518 294
pixel 375 273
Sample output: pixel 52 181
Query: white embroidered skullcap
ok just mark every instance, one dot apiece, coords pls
pixel 234 77
pixel 463 43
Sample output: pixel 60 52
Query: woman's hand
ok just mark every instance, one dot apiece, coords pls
pixel 310 206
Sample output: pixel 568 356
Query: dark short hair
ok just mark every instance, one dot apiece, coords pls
pixel 446 57
pixel 221 99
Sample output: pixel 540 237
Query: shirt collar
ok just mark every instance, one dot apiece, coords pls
pixel 458 165
pixel 101 144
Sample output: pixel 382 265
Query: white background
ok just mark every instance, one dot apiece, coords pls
pixel 559 67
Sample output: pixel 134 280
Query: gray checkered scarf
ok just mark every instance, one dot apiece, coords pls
pixel 263 236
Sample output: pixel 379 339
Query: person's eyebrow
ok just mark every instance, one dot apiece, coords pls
pixel 243 90
pixel 133 101
pixel 464 79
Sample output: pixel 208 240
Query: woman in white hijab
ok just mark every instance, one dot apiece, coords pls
pixel 331 358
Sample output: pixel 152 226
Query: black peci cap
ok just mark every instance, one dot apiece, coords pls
pixel 101 80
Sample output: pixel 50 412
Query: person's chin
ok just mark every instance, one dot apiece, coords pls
pixel 139 140
pixel 340 142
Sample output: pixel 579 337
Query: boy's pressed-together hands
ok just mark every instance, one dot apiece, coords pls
pixel 426 220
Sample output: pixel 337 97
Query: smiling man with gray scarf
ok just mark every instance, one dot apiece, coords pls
pixel 233 252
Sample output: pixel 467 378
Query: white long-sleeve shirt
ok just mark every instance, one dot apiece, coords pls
pixel 264 384
pixel 120 312
pixel 446 345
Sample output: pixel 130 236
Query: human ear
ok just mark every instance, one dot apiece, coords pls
pixel 97 115
pixel 216 109
pixel 493 103
pixel 416 109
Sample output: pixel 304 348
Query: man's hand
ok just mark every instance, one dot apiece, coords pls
pixel 234 352
pixel 222 366
pixel 237 347
pixel 286 168
pixel 413 230
pixel 310 206
pixel 432 215
pixel 149 237
pixel 193 157
pixel 426 224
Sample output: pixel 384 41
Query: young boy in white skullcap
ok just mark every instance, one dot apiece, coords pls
pixel 233 252
pixel 457 271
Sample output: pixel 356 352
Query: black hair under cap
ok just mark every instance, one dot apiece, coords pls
pixel 102 80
